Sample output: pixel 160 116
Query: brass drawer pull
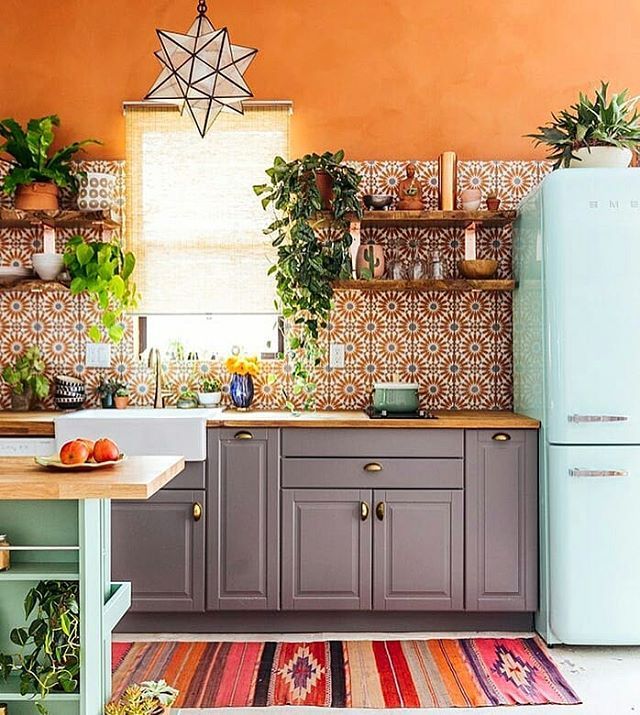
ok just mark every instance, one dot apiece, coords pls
pixel 380 510
pixel 501 437
pixel 243 435
pixel 197 511
pixel 372 467
pixel 364 511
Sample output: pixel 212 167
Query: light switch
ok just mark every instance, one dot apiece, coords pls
pixel 336 356
pixel 98 355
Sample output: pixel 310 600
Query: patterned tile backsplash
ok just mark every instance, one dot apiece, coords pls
pixel 457 346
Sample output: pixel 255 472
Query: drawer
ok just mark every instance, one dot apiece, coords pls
pixel 193 477
pixel 389 473
pixel 377 442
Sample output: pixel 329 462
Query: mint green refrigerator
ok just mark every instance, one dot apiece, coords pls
pixel 577 369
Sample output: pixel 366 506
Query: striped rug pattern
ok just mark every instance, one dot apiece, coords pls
pixel 435 673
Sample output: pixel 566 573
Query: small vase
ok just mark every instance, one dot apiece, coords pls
pixel 241 391
pixel 106 401
pixel 21 402
pixel 370 261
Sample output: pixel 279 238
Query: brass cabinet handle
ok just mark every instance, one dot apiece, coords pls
pixel 197 511
pixel 364 511
pixel 372 467
pixel 243 435
pixel 501 437
pixel 380 510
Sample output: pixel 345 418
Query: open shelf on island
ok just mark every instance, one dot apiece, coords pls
pixel 15 218
pixel 38 571
pixel 431 284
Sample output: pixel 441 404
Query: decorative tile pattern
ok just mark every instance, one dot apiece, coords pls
pixel 458 347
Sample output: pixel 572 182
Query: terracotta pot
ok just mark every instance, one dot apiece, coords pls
pixel 324 182
pixel 493 203
pixel 121 403
pixel 40 196
pixel 370 258
pixel 21 402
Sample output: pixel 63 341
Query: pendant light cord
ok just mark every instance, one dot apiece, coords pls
pixel 202 7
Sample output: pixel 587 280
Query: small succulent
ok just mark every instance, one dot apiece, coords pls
pixel 161 691
pixel 211 384
pixel 132 702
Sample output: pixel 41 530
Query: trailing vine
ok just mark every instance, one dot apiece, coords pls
pixel 308 264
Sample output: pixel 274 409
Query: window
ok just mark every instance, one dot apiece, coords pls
pixel 196 226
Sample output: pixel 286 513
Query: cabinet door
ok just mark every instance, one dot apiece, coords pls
pixel 326 549
pixel 418 550
pixel 501 505
pixel 243 535
pixel 158 545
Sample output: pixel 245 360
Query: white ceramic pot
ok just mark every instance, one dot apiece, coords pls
pixel 601 157
pixel 47 265
pixel 209 399
pixel 471 205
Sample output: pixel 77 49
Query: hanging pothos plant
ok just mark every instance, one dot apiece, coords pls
pixel 308 264
pixel 103 271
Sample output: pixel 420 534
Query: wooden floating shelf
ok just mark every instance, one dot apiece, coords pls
pixel 435 219
pixel 448 284
pixel 32 285
pixel 15 218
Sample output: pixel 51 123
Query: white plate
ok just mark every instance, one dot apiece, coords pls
pixel 54 462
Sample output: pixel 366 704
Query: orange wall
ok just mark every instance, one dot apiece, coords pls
pixel 382 78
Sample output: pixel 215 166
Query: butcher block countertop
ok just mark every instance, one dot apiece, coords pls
pixel 40 424
pixel 136 478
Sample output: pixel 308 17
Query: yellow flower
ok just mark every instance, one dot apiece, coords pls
pixel 243 365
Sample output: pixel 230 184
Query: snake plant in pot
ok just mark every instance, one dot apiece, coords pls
pixel 594 132
pixel 36 172
pixel 308 263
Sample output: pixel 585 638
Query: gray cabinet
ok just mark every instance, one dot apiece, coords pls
pixel 158 545
pixel 243 548
pixel 326 549
pixel 418 550
pixel 501 500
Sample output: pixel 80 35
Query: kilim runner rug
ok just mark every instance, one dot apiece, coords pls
pixel 438 673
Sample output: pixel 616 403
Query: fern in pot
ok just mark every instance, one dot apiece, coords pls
pixel 307 264
pixel 594 132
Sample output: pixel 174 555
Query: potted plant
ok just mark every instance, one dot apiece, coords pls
pixel 210 393
pixel 35 172
pixel 121 397
pixel 308 265
pixel 26 379
pixel 242 369
pixel 493 202
pixel 132 702
pixel 48 659
pixel 103 271
pixel 162 693
pixel 598 132
pixel 106 391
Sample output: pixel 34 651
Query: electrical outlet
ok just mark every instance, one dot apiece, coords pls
pixel 336 356
pixel 98 355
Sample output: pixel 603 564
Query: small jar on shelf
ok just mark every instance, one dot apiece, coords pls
pixel 5 554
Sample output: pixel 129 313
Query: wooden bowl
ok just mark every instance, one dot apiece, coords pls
pixel 480 268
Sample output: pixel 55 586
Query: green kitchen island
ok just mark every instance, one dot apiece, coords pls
pixel 58 525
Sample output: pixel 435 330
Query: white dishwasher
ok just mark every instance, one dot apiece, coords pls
pixel 27 446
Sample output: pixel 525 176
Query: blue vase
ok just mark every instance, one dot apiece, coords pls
pixel 241 391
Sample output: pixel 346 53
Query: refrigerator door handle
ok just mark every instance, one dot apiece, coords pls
pixel 597 418
pixel 598 472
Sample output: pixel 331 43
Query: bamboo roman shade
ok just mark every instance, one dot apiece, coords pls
pixel 193 220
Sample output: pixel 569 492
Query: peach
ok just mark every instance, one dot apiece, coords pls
pixel 89 443
pixel 74 452
pixel 105 450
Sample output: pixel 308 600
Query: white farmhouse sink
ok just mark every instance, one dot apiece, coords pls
pixel 140 432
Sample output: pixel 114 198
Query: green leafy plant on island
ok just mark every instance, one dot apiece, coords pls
pixel 26 375
pixel 600 121
pixel 32 160
pixel 48 659
pixel 307 264
pixel 103 270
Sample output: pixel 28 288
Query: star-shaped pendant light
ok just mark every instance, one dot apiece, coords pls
pixel 202 70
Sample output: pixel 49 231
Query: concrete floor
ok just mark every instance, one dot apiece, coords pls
pixel 606 679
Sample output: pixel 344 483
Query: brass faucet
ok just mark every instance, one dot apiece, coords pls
pixel 155 363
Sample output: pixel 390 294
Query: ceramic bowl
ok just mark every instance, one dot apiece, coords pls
pixel 377 202
pixel 209 399
pixel 480 268
pixel 47 265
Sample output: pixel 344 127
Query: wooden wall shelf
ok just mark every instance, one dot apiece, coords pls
pixel 446 285
pixel 442 219
pixel 33 285
pixel 14 218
